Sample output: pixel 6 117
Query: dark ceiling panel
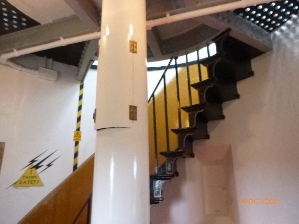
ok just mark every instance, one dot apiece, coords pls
pixel 187 40
pixel 12 20
pixel 69 54
pixel 270 16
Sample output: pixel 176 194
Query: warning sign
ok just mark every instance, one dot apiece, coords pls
pixel 29 179
pixel 77 136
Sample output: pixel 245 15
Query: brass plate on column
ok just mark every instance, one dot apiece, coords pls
pixel 133 113
pixel 133 46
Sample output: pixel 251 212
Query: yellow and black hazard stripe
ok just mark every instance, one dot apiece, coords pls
pixel 78 125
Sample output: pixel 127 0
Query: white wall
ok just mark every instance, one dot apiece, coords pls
pixel 262 128
pixel 37 115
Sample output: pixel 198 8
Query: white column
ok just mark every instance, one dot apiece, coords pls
pixel 121 175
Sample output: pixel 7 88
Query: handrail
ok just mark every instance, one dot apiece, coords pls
pixel 162 77
pixel 149 69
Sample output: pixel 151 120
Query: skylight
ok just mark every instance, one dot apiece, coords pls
pixel 270 16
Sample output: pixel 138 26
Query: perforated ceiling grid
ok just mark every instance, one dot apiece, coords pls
pixel 270 16
pixel 12 19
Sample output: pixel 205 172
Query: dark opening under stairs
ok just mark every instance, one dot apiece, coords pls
pixel 217 82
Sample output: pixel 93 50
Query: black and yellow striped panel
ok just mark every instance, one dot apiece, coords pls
pixel 78 125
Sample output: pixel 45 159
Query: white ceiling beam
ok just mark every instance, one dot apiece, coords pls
pixel 39 35
pixel 87 58
pixel 154 42
pixel 87 12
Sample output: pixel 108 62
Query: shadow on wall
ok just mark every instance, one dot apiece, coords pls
pixel 204 193
pixel 229 129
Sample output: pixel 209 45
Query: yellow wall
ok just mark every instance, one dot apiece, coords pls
pixel 172 111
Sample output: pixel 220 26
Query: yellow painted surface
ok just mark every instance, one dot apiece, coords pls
pixel 77 136
pixel 64 203
pixel 30 178
pixel 172 111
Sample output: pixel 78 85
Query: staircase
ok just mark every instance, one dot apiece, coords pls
pixel 171 136
pixel 230 64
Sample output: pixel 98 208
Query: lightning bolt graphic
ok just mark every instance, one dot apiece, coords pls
pixel 12 184
pixel 50 164
pixel 38 165
pixel 33 160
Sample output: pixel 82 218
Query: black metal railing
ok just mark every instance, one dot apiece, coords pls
pixel 152 99
pixel 164 93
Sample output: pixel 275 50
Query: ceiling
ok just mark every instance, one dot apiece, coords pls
pixel 29 23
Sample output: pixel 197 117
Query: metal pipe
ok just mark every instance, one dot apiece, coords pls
pixel 202 12
pixel 58 43
pixel 149 24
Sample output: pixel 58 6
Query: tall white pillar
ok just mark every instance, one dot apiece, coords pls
pixel 121 175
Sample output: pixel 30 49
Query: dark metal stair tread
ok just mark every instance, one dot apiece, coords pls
pixel 155 201
pixel 183 130
pixel 176 153
pixel 194 107
pixel 162 176
pixel 203 83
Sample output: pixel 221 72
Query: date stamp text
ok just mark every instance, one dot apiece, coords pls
pixel 258 201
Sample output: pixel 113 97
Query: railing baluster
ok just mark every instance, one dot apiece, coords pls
pixel 198 64
pixel 166 114
pixel 152 97
pixel 178 93
pixel 162 77
pixel 88 204
pixel 188 80
pixel 155 135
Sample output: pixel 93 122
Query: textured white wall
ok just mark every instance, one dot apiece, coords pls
pixel 262 128
pixel 39 115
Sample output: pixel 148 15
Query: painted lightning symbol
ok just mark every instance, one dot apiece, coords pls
pixel 50 164
pixel 38 165
pixel 33 160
